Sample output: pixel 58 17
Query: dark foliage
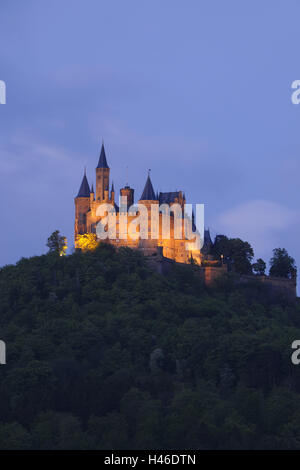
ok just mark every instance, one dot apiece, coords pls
pixel 102 353
pixel 259 267
pixel 237 253
pixel 282 265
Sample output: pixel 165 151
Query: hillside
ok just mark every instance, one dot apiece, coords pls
pixel 103 353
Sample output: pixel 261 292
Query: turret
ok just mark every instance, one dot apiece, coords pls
pixel 129 193
pixel 82 205
pixel 207 243
pixel 148 198
pixel 112 193
pixel 92 194
pixel 102 176
pixel 148 195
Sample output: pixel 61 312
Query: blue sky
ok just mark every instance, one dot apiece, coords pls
pixel 198 91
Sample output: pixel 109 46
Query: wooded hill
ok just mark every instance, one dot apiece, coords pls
pixel 103 353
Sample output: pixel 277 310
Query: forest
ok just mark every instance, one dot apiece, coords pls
pixel 103 353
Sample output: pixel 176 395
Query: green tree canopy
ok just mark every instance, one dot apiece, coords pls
pixel 105 353
pixel 259 267
pixel 235 251
pixel 282 265
pixel 57 243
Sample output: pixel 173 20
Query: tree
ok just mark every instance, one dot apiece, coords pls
pixel 259 267
pixel 13 436
pixel 221 246
pixel 282 265
pixel 235 251
pixel 57 243
pixel 79 374
pixel 87 241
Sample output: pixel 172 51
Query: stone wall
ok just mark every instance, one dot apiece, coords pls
pixel 278 285
pixel 275 285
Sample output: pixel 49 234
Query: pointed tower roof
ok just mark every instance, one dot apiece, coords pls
pixel 207 242
pixel 207 237
pixel 148 193
pixel 92 188
pixel 112 187
pixel 84 190
pixel 102 159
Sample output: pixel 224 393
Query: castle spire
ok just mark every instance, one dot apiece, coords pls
pixel 84 190
pixel 102 159
pixel 148 193
pixel 207 242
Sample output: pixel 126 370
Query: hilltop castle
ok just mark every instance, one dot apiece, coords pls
pixel 87 204
pixel 161 251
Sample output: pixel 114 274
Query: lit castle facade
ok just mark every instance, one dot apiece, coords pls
pixel 90 208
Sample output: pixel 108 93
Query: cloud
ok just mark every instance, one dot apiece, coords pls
pixel 263 223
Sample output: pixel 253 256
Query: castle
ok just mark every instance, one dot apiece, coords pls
pixel 88 202
pixel 161 251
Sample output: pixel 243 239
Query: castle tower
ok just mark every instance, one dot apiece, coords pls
pixel 129 193
pixel 102 176
pixel 82 205
pixel 148 195
pixel 148 198
pixel 207 245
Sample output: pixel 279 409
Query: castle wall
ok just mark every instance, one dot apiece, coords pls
pixel 278 285
pixel 211 273
pixel 172 248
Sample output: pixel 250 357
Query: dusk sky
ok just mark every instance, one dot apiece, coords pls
pixel 198 91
